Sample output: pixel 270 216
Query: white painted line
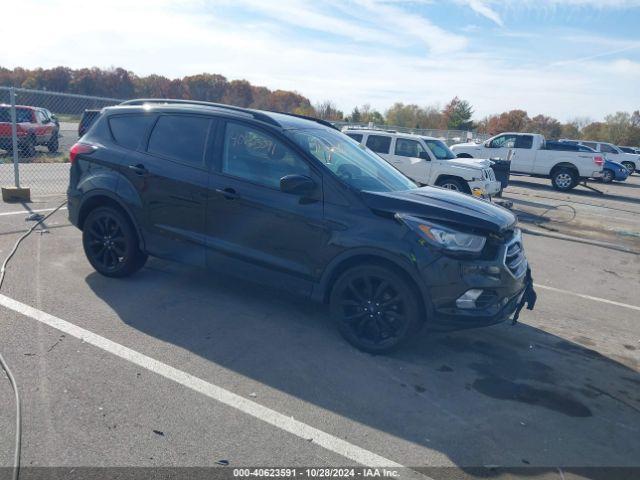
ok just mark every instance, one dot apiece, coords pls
pixel 29 212
pixel 278 420
pixel 588 297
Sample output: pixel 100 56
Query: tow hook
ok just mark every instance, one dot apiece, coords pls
pixel 529 298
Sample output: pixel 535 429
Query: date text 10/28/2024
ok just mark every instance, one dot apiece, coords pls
pixel 315 473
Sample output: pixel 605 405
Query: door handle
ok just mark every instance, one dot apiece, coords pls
pixel 139 169
pixel 228 193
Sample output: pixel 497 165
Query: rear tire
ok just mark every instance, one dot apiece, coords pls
pixel 375 308
pixel 607 176
pixel 111 244
pixel 28 150
pixel 564 179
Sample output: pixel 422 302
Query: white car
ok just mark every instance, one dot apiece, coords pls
pixel 529 155
pixel 630 160
pixel 428 161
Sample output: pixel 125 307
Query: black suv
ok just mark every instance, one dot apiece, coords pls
pixel 293 202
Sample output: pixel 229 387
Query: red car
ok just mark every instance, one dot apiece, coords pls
pixel 33 127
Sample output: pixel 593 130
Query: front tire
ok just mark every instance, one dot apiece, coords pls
pixel 454 184
pixel 375 308
pixel 607 175
pixel 564 179
pixel 54 144
pixel 111 244
pixel 630 166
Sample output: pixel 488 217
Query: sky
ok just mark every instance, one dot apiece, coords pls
pixel 565 58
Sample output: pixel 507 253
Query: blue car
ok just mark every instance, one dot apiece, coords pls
pixel 613 171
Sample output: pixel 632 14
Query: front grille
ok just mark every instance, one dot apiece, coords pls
pixel 489 174
pixel 514 258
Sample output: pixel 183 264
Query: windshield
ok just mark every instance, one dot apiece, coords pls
pixel 440 149
pixel 353 163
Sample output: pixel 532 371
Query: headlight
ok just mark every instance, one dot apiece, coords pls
pixel 443 237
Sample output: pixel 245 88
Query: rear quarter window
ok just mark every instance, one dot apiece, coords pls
pixel 129 130
pixel 379 143
pixel 180 137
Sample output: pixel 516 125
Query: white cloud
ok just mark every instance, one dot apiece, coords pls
pixel 175 38
pixel 482 7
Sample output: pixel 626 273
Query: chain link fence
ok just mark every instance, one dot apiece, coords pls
pixel 450 137
pixel 37 129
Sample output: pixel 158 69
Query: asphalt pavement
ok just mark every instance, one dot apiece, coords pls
pixel 180 367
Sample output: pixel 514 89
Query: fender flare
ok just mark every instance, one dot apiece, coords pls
pixel 322 288
pixel 114 199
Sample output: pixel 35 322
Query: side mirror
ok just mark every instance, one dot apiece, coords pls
pixel 46 120
pixel 300 185
pixel 424 155
pixel 487 144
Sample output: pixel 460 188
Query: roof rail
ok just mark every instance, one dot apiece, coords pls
pixel 306 117
pixel 168 101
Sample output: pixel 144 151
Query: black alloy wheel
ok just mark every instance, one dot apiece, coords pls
pixel 375 308
pixel 111 244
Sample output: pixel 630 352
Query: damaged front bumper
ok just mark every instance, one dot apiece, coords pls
pixel 475 293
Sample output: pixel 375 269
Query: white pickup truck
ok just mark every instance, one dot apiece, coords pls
pixel 428 161
pixel 530 156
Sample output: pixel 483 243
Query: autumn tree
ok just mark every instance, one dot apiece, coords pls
pixel 594 131
pixel 206 86
pixel 547 126
pixel 327 110
pixel 512 121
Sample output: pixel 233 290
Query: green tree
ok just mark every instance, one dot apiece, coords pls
pixel 355 116
pixel 457 114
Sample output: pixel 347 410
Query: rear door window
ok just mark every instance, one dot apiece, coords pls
pixel 129 130
pixel 379 143
pixel 591 145
pixel 607 148
pixel 181 138
pixel 5 115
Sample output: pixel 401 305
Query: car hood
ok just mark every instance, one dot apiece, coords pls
pixel 439 204
pixel 470 162
pixel 466 145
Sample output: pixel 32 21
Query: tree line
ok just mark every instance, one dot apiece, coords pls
pixel 621 128
pixel 123 84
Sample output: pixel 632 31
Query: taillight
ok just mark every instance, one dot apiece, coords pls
pixel 80 148
pixel 598 160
